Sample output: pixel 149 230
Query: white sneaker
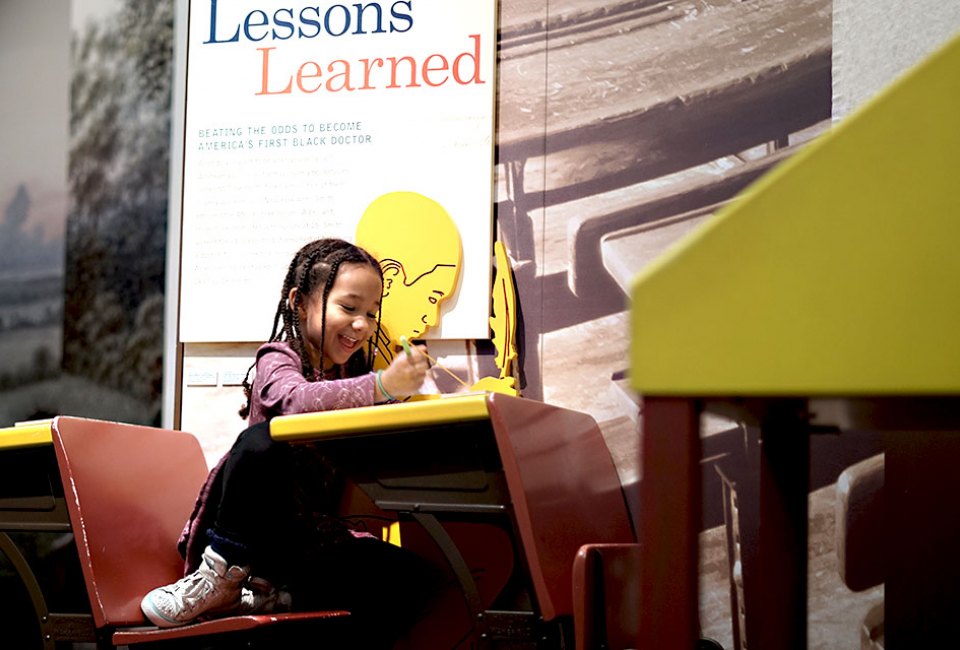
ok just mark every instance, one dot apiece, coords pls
pixel 261 597
pixel 213 588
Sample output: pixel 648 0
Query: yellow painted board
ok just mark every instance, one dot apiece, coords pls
pixel 30 435
pixel 383 417
pixel 837 273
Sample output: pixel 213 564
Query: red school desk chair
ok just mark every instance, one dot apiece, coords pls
pixel 129 489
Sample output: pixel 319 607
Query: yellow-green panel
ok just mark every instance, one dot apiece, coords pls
pixel 838 273
pixel 385 417
pixel 29 435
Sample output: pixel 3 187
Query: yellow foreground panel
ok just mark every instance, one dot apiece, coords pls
pixel 838 273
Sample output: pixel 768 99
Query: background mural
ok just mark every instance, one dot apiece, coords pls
pixel 84 197
pixel 116 229
pixel 621 126
pixel 33 202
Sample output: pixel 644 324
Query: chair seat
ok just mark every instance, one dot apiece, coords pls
pixel 145 634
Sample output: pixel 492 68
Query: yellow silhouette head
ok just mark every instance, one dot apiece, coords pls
pixel 419 249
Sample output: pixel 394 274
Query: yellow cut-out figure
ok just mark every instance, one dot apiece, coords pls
pixel 419 249
pixel 503 327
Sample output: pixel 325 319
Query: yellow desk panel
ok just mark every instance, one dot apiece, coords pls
pixel 382 417
pixel 31 435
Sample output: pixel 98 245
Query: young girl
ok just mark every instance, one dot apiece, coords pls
pixel 264 518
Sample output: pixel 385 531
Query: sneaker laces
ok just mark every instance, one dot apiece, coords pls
pixel 192 589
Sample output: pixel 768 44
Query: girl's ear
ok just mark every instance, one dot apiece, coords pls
pixel 292 299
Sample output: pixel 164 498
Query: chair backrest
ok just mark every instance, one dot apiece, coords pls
pixel 606 593
pixel 861 524
pixel 564 487
pixel 129 490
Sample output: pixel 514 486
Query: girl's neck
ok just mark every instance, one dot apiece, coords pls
pixel 322 366
pixel 329 371
pixel 326 367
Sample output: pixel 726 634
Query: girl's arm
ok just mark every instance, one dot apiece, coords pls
pixel 283 390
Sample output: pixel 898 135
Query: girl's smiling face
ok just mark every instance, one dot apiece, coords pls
pixel 351 318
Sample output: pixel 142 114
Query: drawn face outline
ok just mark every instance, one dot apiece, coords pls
pixel 420 252
pixel 421 297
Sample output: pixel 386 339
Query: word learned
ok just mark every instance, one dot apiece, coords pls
pixel 369 74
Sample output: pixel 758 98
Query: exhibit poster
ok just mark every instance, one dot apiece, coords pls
pixel 299 116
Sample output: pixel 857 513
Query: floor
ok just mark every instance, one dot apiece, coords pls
pixel 834 612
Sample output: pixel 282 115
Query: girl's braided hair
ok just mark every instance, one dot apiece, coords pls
pixel 315 267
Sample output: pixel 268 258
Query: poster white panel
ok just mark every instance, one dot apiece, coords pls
pixel 299 115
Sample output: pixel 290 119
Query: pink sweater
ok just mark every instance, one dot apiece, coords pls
pixel 279 387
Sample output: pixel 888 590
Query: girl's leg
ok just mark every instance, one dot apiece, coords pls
pixel 271 508
pixel 253 488
pixel 271 516
pixel 250 496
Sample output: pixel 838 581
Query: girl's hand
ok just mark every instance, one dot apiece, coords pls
pixel 406 373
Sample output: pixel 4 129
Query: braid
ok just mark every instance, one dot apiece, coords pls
pixel 282 307
pixel 315 265
pixel 307 285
